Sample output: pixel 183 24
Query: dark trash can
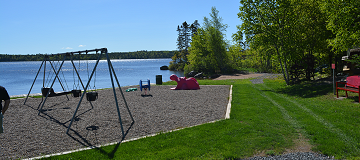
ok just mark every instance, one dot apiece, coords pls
pixel 158 79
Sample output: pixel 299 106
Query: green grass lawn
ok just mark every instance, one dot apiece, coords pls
pixel 264 117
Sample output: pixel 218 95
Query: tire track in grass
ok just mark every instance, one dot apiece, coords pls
pixel 284 112
pixel 348 140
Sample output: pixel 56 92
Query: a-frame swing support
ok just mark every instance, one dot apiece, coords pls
pixel 46 58
pixel 112 76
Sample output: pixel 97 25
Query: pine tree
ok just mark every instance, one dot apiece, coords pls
pixel 185 34
pixel 194 27
pixel 180 42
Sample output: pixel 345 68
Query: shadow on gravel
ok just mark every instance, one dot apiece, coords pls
pixel 86 143
pixel 75 135
pixel 50 117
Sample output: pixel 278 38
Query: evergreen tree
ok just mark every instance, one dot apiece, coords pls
pixel 180 42
pixel 185 34
pixel 194 27
pixel 185 28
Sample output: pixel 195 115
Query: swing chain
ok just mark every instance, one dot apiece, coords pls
pixel 87 67
pixel 76 86
pixel 51 73
pixel 79 69
pixel 95 75
pixel 63 80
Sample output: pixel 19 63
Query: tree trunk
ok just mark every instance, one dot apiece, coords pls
pixel 285 58
pixel 282 68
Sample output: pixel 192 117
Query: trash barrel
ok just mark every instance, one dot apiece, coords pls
pixel 159 79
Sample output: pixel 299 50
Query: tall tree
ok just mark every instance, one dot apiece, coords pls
pixel 269 22
pixel 194 26
pixel 185 33
pixel 208 47
pixel 215 21
pixel 180 41
pixel 294 29
pixel 311 34
pixel 185 29
pixel 180 45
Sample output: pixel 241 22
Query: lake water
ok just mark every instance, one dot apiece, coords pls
pixel 17 77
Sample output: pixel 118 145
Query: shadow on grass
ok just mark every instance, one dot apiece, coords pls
pixel 112 153
pixel 307 90
pixel 354 98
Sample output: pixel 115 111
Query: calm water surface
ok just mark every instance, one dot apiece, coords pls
pixel 17 77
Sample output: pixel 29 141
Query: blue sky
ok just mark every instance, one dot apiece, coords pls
pixel 58 26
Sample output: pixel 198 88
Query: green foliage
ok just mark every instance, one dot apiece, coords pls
pixel 344 21
pixel 259 59
pixel 290 35
pixel 267 23
pixel 208 48
pixel 200 58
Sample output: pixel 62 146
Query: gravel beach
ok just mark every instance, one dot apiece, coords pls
pixel 27 134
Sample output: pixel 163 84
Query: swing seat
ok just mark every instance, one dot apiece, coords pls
pixel 76 93
pixel 91 96
pixel 44 92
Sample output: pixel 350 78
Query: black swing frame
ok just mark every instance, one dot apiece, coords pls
pixel 103 51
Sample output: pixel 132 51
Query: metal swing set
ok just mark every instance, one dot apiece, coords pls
pixel 76 92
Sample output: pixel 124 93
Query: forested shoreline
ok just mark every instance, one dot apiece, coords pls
pixel 113 55
pixel 301 39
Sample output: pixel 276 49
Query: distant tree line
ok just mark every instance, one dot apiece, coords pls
pixel 141 55
pixel 113 55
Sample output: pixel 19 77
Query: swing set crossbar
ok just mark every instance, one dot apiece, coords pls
pixel 103 50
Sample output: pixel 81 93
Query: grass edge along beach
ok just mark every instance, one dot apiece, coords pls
pixel 265 118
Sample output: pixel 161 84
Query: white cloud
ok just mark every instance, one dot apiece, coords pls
pixel 82 45
pixel 66 48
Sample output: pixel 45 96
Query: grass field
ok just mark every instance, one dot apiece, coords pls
pixel 266 118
